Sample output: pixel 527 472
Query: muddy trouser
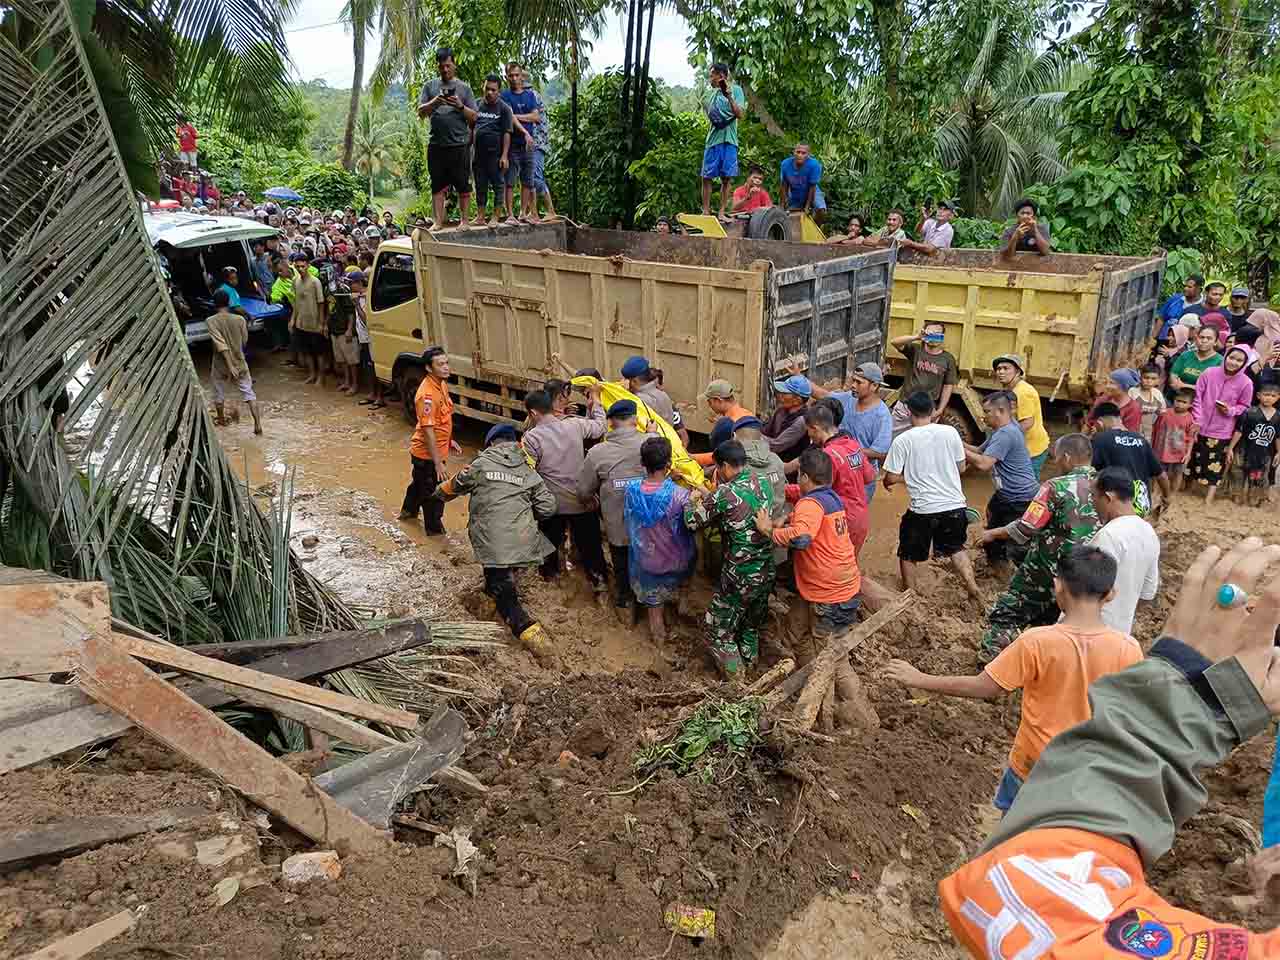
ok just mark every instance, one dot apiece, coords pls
pixel 621 557
pixel 500 584
pixel 735 615
pixel 1000 513
pixel 587 537
pixel 280 327
pixel 418 496
pixel 1027 602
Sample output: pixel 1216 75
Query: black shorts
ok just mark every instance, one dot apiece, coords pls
pixel 307 342
pixel 945 532
pixel 448 167
pixel 488 174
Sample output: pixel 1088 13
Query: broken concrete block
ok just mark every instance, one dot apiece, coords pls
pixel 304 867
pixel 218 851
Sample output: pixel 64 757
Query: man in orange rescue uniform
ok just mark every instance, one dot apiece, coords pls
pixel 1062 876
pixel 431 444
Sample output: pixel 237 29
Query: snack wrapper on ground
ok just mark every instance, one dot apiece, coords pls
pixel 696 922
pixel 684 469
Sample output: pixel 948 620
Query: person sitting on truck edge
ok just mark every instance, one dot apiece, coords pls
pixel 752 195
pixel 1028 235
pixel 928 460
pixel 854 232
pixel 451 106
pixel 800 174
pixel 492 141
pixel 720 154
pixel 720 396
pixel 555 446
pixel 431 444
pixel 508 499
pixel 229 334
pixel 1004 455
pixel 646 383
pixel 890 232
pixel 784 431
pixel 1009 373
pixel 930 368
pixel 663 226
pixel 606 470
pixel 936 232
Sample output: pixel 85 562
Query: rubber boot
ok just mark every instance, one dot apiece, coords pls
pixel 535 640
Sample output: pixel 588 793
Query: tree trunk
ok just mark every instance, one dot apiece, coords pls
pixel 357 50
pixel 573 134
pixel 888 14
pixel 758 107
pixel 625 106
pixel 637 114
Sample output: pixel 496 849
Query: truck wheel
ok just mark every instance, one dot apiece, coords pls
pixel 770 223
pixel 407 382
pixel 964 426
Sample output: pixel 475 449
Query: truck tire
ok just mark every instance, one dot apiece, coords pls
pixel 770 223
pixel 964 426
pixel 407 382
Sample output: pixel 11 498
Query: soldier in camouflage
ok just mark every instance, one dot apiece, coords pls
pixel 1060 517
pixel 741 601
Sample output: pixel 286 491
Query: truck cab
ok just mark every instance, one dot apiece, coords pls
pixel 395 320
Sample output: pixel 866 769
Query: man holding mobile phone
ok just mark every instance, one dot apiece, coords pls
pixel 452 108
pixel 720 156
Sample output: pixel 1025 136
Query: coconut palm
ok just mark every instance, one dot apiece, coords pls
pixel 999 132
pixel 360 16
pixel 371 146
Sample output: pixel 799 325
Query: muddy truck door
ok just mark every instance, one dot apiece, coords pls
pixel 834 312
pixel 1126 311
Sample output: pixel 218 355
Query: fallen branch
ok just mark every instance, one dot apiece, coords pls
pixel 816 675
pixel 84 942
pixel 415 823
pixel 778 671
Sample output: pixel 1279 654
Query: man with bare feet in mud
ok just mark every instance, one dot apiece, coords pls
pixel 508 499
pixel 230 334
pixel 1064 873
pixel 1060 516
pixel 607 469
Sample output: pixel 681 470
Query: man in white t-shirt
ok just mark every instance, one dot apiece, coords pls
pixel 1131 540
pixel 929 459
pixel 935 232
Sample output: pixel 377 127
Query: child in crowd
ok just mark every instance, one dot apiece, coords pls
pixel 1150 398
pixel 1171 437
pixel 1052 665
pixel 1258 428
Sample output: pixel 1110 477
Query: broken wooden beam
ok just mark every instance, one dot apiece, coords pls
pixel 45 622
pixel 816 675
pixel 83 942
pixel 373 786
pixel 110 675
pixel 64 719
pixel 62 838
pixel 779 671
pixel 244 651
pixel 179 659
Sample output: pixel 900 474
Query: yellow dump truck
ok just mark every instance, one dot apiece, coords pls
pixel 1075 317
pixel 502 301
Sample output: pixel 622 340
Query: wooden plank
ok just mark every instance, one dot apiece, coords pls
pixel 76 834
pixel 63 718
pixel 84 942
pixel 179 659
pixel 310 716
pixel 242 651
pixel 111 676
pixel 45 622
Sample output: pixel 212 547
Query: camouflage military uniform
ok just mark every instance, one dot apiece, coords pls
pixel 1060 517
pixel 741 602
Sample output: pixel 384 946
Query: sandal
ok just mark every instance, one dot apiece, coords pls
pixel 367 402
pixel 377 405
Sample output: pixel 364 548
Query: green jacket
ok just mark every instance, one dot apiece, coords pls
pixel 1129 772
pixel 508 498
pixel 733 507
pixel 767 467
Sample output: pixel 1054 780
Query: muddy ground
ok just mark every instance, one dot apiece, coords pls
pixel 810 851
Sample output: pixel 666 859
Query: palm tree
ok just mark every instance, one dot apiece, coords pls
pixel 371 152
pixel 1000 130
pixel 360 14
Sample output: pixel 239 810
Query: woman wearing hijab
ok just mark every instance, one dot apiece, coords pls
pixel 1217 321
pixel 1267 345
pixel 1223 393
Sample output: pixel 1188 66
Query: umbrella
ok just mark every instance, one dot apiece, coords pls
pixel 283 193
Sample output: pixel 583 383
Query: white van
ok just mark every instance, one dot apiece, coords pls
pixel 196 246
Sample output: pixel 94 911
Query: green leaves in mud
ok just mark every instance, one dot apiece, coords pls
pixel 711 743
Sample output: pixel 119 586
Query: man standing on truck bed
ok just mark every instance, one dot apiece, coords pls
pixel 431 444
pixel 451 106
pixel 800 174
pixel 528 140
pixel 930 369
pixel 606 471
pixel 720 154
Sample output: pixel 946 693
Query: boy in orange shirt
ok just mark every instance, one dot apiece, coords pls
pixel 826 571
pixel 1052 665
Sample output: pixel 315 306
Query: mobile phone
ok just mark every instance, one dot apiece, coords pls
pixel 448 91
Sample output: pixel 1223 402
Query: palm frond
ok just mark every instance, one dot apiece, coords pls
pixel 1006 161
pixel 953 140
pixel 978 75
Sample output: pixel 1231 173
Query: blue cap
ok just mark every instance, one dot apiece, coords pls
pixel 797 384
pixel 1126 378
pixel 635 367
pixel 621 408
pixel 744 423
pixel 501 431
pixel 721 431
